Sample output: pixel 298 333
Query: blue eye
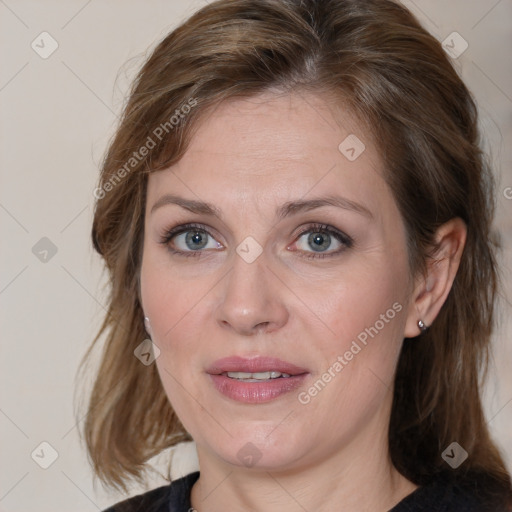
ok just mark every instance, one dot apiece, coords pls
pixel 317 241
pixel 322 241
pixel 193 240
pixel 189 240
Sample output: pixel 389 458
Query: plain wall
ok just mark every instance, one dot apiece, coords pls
pixel 57 115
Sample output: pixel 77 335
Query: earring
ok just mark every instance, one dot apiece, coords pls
pixel 147 325
pixel 422 326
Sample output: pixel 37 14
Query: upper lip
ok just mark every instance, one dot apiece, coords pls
pixel 253 365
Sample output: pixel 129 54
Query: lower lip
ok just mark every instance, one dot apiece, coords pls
pixel 256 392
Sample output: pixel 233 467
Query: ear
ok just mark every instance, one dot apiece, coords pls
pixel 431 289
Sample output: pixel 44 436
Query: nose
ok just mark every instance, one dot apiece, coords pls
pixel 252 299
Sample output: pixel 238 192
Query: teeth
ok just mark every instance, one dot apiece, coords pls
pixel 254 377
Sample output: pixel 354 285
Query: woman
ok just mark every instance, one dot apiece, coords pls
pixel 296 213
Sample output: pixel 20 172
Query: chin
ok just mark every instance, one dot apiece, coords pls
pixel 252 449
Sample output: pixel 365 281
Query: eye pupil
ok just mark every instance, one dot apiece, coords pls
pixel 195 240
pixel 321 240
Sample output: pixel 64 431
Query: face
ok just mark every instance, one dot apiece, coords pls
pixel 276 243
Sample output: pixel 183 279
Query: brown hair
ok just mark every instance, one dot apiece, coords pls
pixel 376 58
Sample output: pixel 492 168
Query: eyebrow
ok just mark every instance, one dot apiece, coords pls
pixel 287 209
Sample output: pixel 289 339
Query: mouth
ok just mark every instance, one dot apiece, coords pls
pixel 255 380
pixel 256 377
pixel 260 368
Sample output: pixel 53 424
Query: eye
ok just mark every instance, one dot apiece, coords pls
pixel 322 241
pixel 317 241
pixel 189 240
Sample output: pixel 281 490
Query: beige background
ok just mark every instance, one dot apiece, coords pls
pixel 57 115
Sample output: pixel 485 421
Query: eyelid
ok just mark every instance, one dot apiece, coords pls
pixel 326 228
pixel 345 240
pixel 169 234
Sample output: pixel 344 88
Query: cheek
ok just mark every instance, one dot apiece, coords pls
pixel 173 306
pixel 170 301
pixel 365 311
pixel 357 297
pixel 359 359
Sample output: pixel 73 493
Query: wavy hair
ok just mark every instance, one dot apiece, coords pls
pixel 374 57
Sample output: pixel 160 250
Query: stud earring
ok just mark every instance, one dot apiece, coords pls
pixel 422 326
pixel 147 325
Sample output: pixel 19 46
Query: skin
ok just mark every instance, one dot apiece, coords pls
pixel 248 158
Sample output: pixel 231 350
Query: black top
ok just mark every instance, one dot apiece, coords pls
pixel 441 496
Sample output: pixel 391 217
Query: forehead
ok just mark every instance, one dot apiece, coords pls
pixel 284 128
pixel 278 147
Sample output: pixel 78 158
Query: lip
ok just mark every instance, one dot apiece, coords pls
pixel 255 392
pixel 254 365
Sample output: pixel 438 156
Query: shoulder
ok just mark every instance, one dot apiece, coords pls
pixel 449 493
pixel 174 497
pixel 152 501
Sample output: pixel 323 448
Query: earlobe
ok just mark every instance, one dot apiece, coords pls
pixel 433 287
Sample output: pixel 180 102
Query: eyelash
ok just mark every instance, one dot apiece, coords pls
pixel 341 237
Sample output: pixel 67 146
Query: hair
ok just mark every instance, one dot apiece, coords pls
pixel 376 59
